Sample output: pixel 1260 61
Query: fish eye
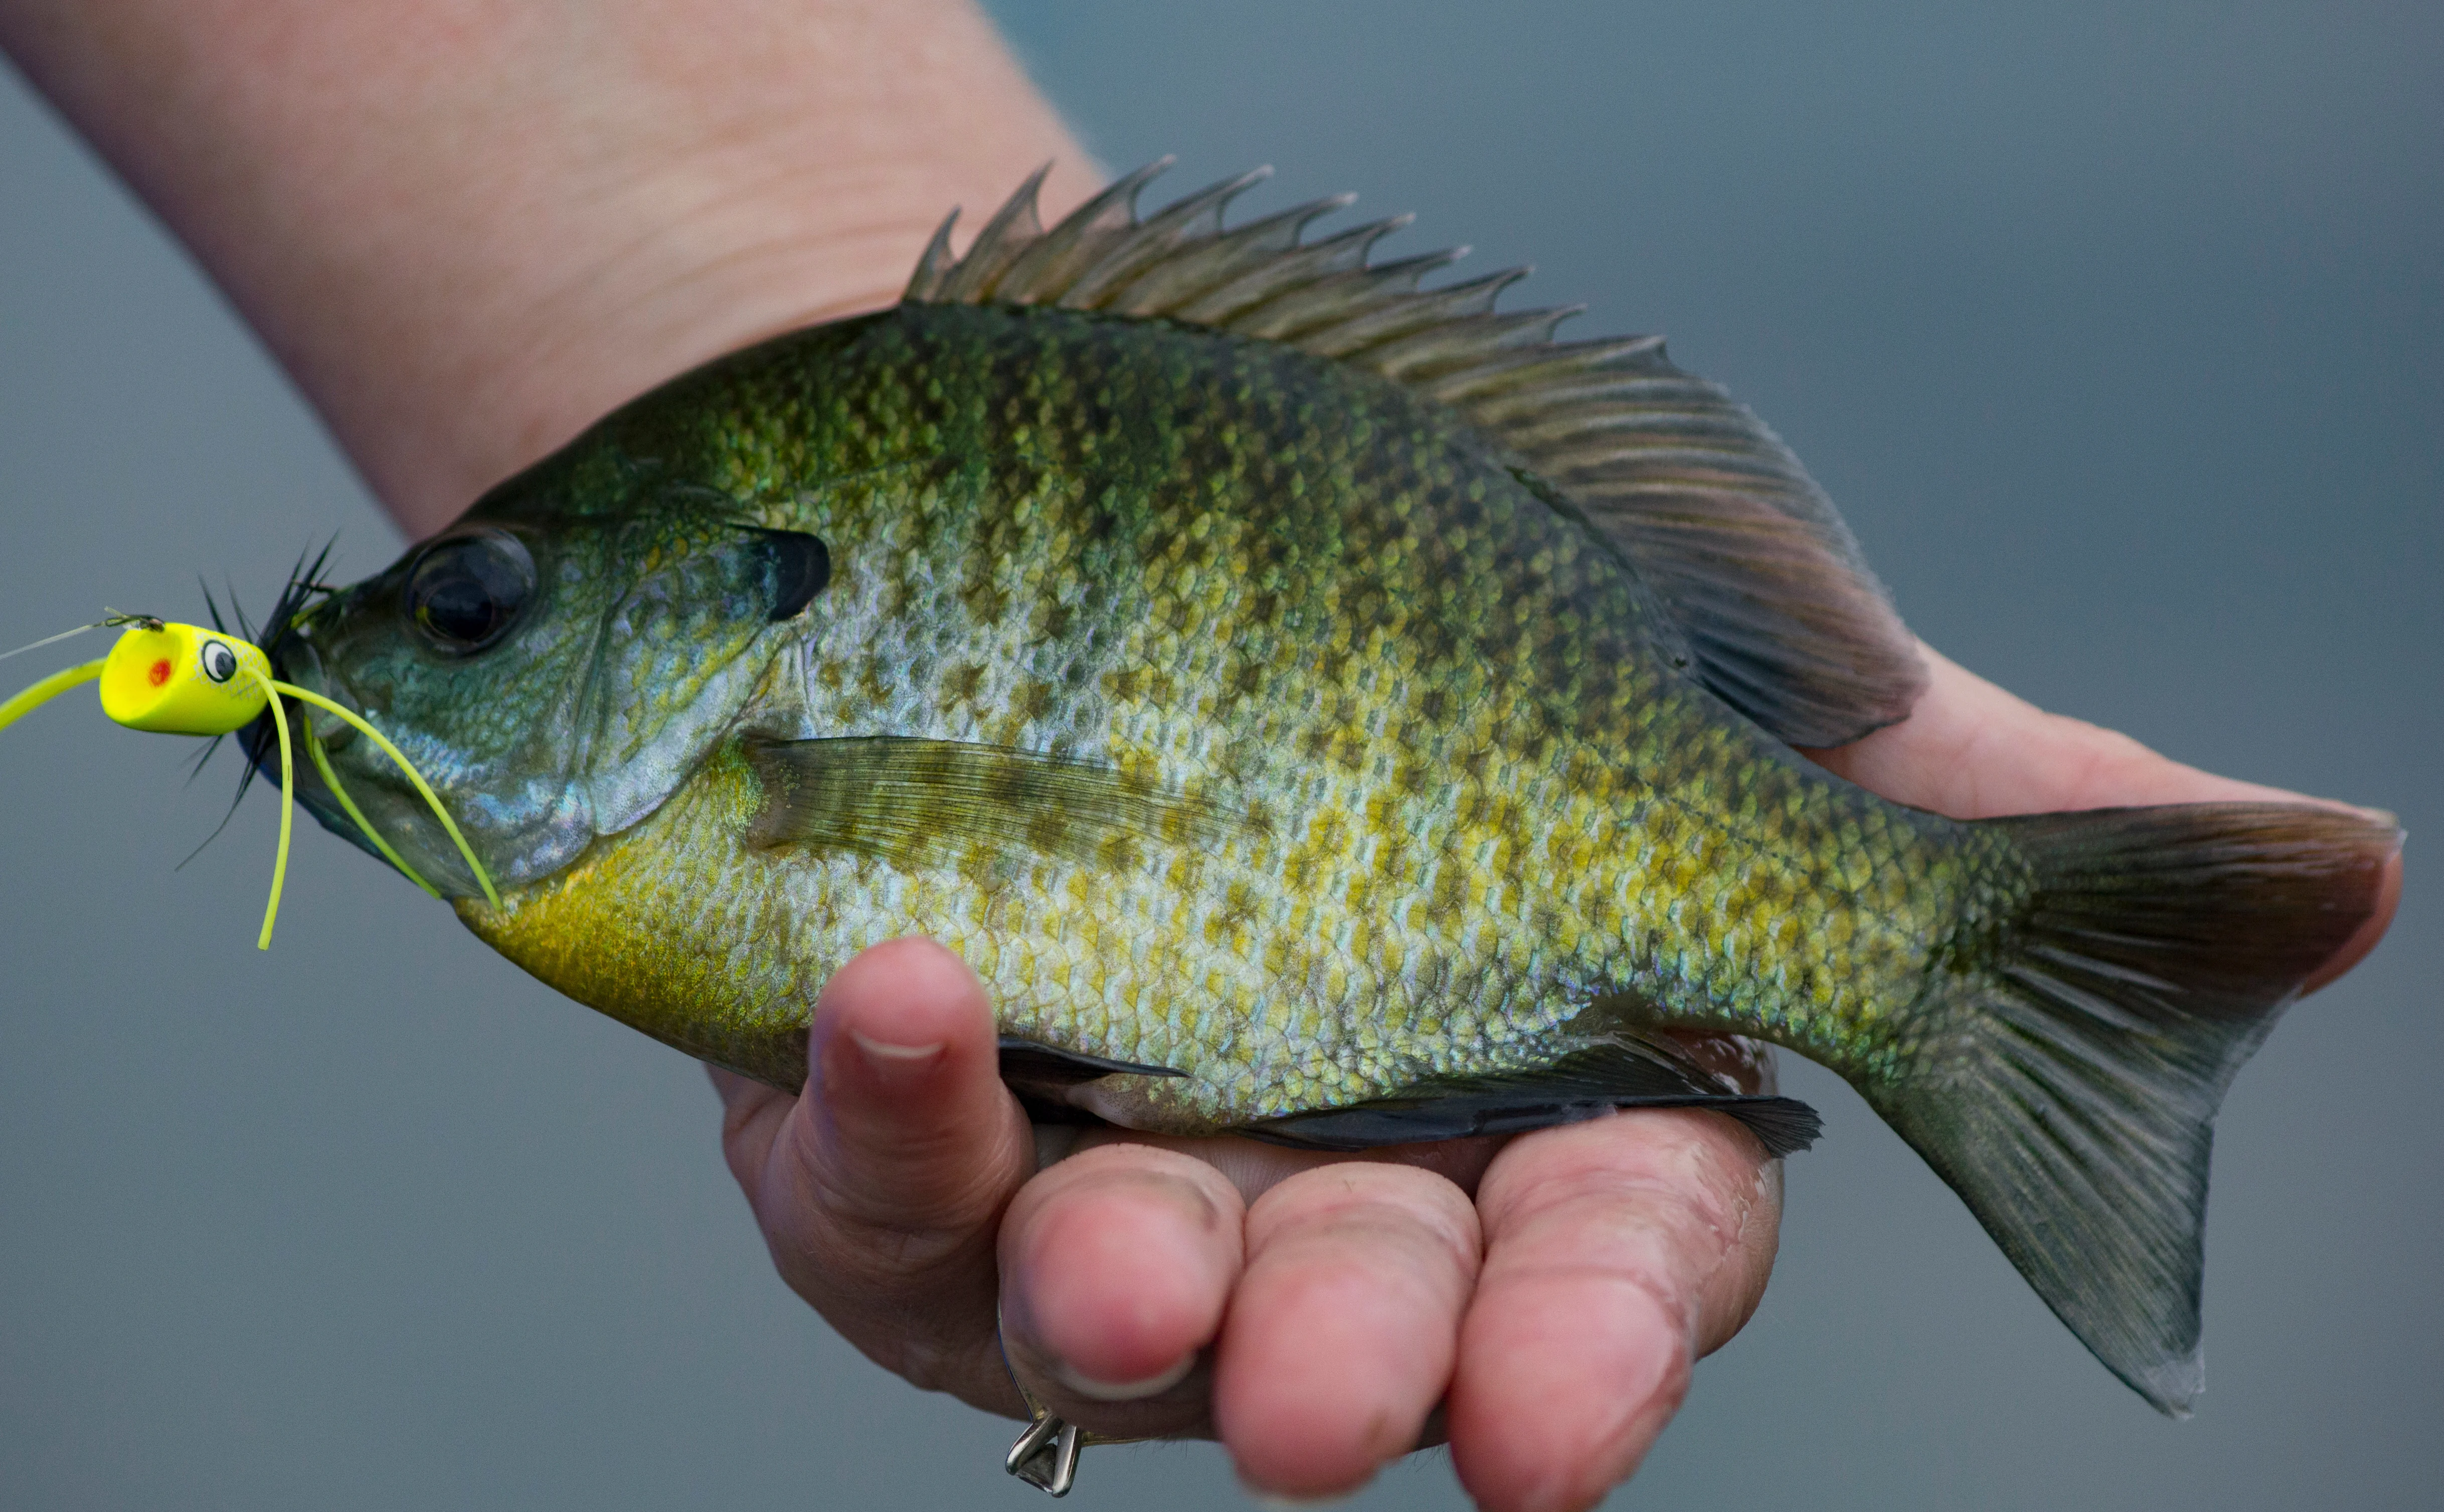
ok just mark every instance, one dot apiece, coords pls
pixel 464 593
pixel 220 663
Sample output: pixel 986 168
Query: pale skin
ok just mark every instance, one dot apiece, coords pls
pixel 467 227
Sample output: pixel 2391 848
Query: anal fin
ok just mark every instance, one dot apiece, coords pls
pixel 1588 1084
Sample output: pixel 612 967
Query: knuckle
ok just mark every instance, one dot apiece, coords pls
pixel 1121 1184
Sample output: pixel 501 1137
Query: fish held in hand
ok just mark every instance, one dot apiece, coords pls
pixel 1318 708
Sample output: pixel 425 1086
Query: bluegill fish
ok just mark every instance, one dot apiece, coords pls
pixel 1319 707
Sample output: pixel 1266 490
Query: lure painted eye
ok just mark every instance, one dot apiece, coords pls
pixel 464 593
pixel 220 663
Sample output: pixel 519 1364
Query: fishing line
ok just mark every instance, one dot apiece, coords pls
pixel 182 679
pixel 51 640
pixel 110 618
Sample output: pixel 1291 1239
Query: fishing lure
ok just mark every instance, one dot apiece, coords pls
pixel 179 679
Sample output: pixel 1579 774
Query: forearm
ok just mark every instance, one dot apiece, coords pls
pixel 467 227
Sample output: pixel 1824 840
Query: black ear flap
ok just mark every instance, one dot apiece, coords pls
pixel 802 566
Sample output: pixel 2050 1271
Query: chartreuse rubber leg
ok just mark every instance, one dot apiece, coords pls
pixel 48 689
pixel 331 781
pixel 287 808
pixel 483 878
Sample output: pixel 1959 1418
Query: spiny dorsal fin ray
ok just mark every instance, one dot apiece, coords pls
pixel 1181 225
pixel 1755 565
pixel 1013 228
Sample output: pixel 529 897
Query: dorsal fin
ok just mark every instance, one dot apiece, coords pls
pixel 1764 579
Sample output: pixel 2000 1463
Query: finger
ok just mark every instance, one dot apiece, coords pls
pixel 1256 1168
pixel 2364 938
pixel 751 1116
pixel 1117 1264
pixel 1341 1334
pixel 1617 1252
pixel 880 1188
pixel 1971 750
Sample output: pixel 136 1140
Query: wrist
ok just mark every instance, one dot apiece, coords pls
pixel 707 256
pixel 468 231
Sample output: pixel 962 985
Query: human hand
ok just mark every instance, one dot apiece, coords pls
pixel 1310 1310
pixel 1549 1293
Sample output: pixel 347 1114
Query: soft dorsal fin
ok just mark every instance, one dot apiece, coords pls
pixel 1762 576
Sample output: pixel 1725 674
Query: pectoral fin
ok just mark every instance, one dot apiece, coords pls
pixel 915 801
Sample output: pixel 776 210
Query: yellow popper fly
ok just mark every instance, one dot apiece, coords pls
pixel 180 679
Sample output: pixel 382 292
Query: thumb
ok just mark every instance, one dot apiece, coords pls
pixel 881 1189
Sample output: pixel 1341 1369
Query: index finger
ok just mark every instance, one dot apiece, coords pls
pixel 1971 750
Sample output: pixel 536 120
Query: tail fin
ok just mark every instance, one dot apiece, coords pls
pixel 2089 1044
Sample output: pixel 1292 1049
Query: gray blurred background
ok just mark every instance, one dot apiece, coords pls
pixel 2119 333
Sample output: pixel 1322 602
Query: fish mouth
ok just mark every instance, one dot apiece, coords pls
pixel 294 661
pixel 287 653
pixel 260 741
pixel 316 737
